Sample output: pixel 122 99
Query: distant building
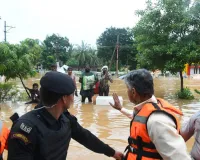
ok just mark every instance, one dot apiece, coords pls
pixel 192 69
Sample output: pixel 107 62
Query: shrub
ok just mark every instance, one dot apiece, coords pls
pixel 7 91
pixel 23 96
pixel 185 94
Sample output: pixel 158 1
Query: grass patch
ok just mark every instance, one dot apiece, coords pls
pixel 185 94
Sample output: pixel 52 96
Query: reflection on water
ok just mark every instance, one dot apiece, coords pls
pixel 108 124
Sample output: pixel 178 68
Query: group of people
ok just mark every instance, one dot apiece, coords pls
pixel 88 82
pixel 155 133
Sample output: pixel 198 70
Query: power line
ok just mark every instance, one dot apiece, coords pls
pixel 123 46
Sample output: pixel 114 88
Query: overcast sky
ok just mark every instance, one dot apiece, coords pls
pixel 76 19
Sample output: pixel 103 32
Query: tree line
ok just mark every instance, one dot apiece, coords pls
pixel 166 37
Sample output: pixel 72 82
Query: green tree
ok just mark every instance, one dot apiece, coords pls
pixel 72 61
pixel 106 44
pixel 56 48
pixel 167 35
pixel 16 61
pixel 33 46
pixel 85 55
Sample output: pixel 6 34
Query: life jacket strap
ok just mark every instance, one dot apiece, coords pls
pixel 141 153
pixel 133 141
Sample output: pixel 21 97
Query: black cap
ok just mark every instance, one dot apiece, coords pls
pixel 58 83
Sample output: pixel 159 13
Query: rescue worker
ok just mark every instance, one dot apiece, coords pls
pixel 4 133
pixel 192 128
pixel 87 80
pixel 103 85
pixel 45 133
pixel 154 129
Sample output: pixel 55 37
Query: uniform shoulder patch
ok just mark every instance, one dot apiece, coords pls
pixel 21 137
pixel 25 128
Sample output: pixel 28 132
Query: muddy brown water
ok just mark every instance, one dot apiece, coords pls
pixel 106 123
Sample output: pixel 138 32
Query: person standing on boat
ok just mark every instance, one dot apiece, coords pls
pixel 104 82
pixel 45 133
pixel 154 129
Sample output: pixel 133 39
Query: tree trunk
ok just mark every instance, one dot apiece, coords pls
pixel 24 86
pixel 181 77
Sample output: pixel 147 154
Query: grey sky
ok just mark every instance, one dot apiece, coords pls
pixel 76 19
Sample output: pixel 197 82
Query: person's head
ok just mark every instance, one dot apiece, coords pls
pixel 69 70
pixel 35 86
pixel 57 90
pixel 54 67
pixel 104 69
pixel 87 68
pixel 140 85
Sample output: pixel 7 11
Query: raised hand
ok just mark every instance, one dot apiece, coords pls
pixel 117 105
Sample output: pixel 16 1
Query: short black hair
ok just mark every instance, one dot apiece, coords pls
pixel 141 80
pixel 49 98
pixel 69 68
pixel 35 84
pixel 53 65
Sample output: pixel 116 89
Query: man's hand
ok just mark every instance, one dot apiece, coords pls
pixel 118 155
pixel 116 104
pixel 106 75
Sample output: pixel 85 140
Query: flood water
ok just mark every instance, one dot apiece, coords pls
pixel 108 124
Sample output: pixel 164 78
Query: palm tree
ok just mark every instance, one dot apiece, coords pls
pixel 82 53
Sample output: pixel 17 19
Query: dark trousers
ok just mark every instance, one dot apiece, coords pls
pixel 86 94
pixel 89 99
pixel 103 91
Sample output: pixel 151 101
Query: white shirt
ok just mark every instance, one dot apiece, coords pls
pixel 162 132
pixel 190 128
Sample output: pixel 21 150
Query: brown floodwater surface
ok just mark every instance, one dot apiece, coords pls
pixel 108 124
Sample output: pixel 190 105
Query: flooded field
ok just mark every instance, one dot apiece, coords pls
pixel 109 124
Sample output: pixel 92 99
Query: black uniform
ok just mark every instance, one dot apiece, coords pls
pixel 30 141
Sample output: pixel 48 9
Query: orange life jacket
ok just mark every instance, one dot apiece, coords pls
pixel 140 145
pixel 4 133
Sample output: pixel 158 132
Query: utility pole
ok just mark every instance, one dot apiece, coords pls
pixel 117 46
pixel 5 30
pixel 0 17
